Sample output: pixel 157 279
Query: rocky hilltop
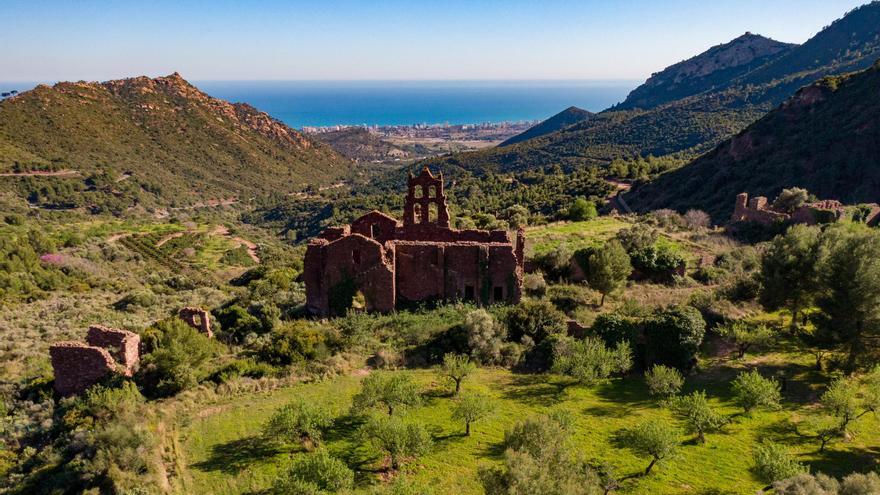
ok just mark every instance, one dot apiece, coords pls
pixel 714 68
pixel 153 142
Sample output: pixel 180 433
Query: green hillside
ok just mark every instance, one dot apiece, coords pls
pixel 826 139
pixel 151 142
pixel 563 119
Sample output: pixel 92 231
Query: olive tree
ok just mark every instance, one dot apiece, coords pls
pixel 298 422
pixel 314 474
pixel 588 361
pixel 653 438
pixel 470 408
pixel 386 389
pixel 774 463
pixel 746 336
pixel 751 390
pixel 457 367
pixel 664 382
pixel 697 414
pixel 398 439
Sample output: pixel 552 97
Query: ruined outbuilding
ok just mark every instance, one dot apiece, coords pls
pixel 79 365
pixel 760 210
pixel 197 318
pixel 377 262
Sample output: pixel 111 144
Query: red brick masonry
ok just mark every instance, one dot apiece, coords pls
pixel 419 260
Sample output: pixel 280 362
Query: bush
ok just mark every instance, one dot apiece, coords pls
pixel 773 463
pixel 236 323
pixel 536 320
pixel 242 367
pixel 663 381
pixel 615 327
pixel 534 284
pixel 751 390
pixel 298 422
pixel 860 484
pixel 567 298
pixel 588 361
pixel 298 341
pixel 746 336
pixel 556 264
pixel 317 473
pixel 807 484
pixel 582 210
pixel 673 337
pixel 485 336
pixel 175 359
pixel 398 439
pixel 697 219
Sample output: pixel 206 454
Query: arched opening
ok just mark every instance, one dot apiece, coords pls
pixel 417 213
pixel 432 191
pixel 359 301
pixel 418 191
pixel 433 212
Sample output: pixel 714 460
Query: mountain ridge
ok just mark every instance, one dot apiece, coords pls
pixel 570 116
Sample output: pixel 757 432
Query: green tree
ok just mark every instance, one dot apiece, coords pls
pixel 391 390
pixel 298 422
pixel 539 458
pixel 774 463
pixel 588 361
pixel 751 390
pixel 746 336
pixel 790 200
pixel 850 301
pixel 470 408
pixel 673 337
pixel 608 268
pixel 789 270
pixel 399 439
pixel 457 367
pixel 581 210
pixel 318 473
pixel 176 358
pixel 698 415
pixel 663 381
pixel 653 438
pixel 485 336
pixel 536 320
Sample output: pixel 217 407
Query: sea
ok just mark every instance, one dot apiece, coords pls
pixel 329 103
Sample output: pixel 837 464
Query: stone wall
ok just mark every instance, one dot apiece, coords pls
pixel 79 365
pixel 197 318
pixel 758 209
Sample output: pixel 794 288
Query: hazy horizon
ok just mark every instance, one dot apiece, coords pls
pixel 595 40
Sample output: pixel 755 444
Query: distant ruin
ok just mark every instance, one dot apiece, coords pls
pixel 760 210
pixel 377 262
pixel 197 318
pixel 79 365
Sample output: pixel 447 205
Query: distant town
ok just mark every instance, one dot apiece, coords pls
pixel 488 131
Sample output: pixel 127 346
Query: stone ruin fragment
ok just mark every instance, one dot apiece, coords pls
pixel 197 318
pixel 79 365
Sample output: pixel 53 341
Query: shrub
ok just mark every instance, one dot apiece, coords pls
pixel 242 367
pixel 536 320
pixel 555 263
pixel 673 337
pixel 391 390
pixel 485 336
pixel 534 284
pixel 317 473
pixel 395 437
pixel 567 298
pixel 663 381
pixel 470 408
pixel 751 390
pixel 298 341
pixel 236 323
pixel 656 439
pixel 697 219
pixel 746 336
pixel 638 237
pixel 539 458
pixel 581 210
pixel 298 422
pixel 588 361
pixel 774 463
pixel 790 200
pixel 860 484
pixel 176 355
pixel 807 484
pixel 615 327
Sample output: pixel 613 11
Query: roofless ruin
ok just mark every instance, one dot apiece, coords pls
pixel 377 262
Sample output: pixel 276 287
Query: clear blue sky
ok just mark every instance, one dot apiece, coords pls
pixel 46 40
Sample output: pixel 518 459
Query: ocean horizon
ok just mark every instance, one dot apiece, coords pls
pixel 328 103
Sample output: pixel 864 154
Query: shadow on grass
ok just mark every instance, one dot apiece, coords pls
pixel 234 456
pixel 840 463
pixel 536 390
pixel 631 391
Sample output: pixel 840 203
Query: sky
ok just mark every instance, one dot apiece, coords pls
pixel 51 40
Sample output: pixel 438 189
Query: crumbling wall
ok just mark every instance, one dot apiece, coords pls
pixel 121 344
pixel 755 210
pixel 197 318
pixel 77 366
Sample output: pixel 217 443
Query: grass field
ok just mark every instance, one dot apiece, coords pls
pixel 575 235
pixel 223 454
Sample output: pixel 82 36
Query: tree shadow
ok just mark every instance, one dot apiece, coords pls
pixel 536 390
pixel 234 456
pixel 629 390
pixel 606 410
pixel 839 463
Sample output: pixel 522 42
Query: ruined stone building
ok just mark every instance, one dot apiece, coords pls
pixel 760 210
pixel 79 365
pixel 197 318
pixel 378 262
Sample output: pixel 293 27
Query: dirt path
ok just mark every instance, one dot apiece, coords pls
pixel 168 237
pixel 251 247
pixel 42 173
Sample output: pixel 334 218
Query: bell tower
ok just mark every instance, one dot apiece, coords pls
pixel 425 201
